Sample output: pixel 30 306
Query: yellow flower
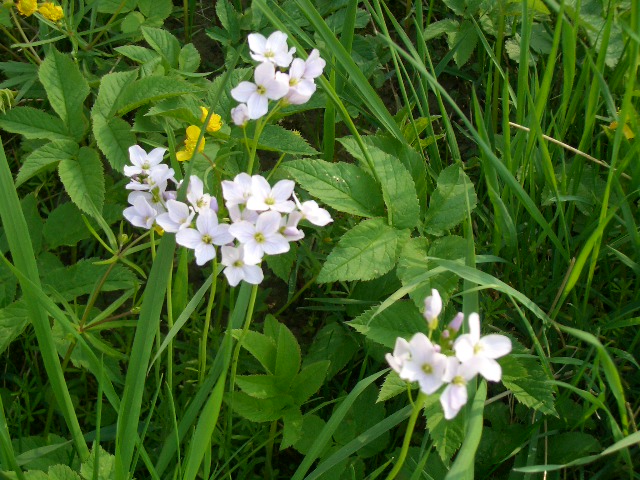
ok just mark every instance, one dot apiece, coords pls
pixel 628 133
pixel 51 12
pixel 193 133
pixel 215 122
pixel 27 7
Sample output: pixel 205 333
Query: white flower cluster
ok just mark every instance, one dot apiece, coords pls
pixel 420 360
pixel 295 86
pixel 264 218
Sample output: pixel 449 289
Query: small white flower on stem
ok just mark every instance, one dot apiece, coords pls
pixel 237 268
pixel 479 353
pixel 426 365
pixel 238 214
pixel 203 239
pixel 273 49
pixel 454 396
pixel 177 217
pixel 197 198
pixel 300 89
pixel 289 227
pixel 158 177
pixel 432 308
pixel 237 192
pixel 312 212
pixel 269 85
pixel 141 214
pixel 401 353
pixel 143 162
pixel 240 115
pixel 263 197
pixel 262 238
pixel 313 65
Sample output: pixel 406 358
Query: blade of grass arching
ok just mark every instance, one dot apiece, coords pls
pixel 148 323
pixel 360 441
pixel 17 233
pixel 325 435
pixel 502 170
pixel 190 415
pixel 463 466
pixel 7 455
pixel 523 63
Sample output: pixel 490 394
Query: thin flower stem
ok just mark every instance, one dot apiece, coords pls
pixel 417 408
pixel 24 37
pixel 207 322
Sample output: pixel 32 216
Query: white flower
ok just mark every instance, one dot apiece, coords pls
pixel 401 353
pixel 263 197
pixel 238 214
pixel 208 234
pixel 261 238
pixel 273 49
pixel 311 211
pixel 314 65
pixel 432 308
pixel 158 177
pixel 454 396
pixel 237 192
pixel 141 213
pixel 240 115
pixel 197 198
pixel 479 353
pixel 426 365
pixel 143 162
pixel 237 268
pixel 269 85
pixel 289 227
pixel 300 89
pixel 177 217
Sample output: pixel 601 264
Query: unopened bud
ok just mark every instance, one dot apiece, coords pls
pixel 456 323
pixel 432 308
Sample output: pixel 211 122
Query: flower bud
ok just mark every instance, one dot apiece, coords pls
pixel 456 323
pixel 432 308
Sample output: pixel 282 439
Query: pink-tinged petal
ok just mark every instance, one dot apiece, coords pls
pixel 268 222
pixel 257 42
pixel 204 253
pixel 243 231
pixel 220 235
pixel 207 221
pixel 282 190
pixel 260 187
pixel 253 274
pixel 167 224
pixel 257 106
pixel 451 369
pixel 495 346
pixel 277 41
pixel 275 244
pixel 253 252
pixel 464 347
pixel 314 65
pixel 137 155
pixel 429 383
pixel 189 237
pixel 306 87
pixel 155 156
pixel 474 327
pixel 229 255
pixel 393 362
pixel 234 275
pixel 296 70
pixel 131 170
pixel 432 305
pixel 264 73
pixel 243 91
pixel 278 87
pixel 489 369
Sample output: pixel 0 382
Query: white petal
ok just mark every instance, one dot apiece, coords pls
pixel 155 156
pixel 189 237
pixel 489 369
pixel 264 73
pixel 474 326
pixel 243 231
pixel 282 190
pixel 268 222
pixel 253 274
pixel 275 244
pixel 243 91
pixel 257 42
pixel 234 275
pixel 257 106
pixel 495 346
pixel 137 155
pixel 207 222
pixel 464 347
pixel 204 253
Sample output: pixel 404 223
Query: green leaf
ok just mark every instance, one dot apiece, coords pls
pixel 31 214
pixel 83 179
pixel 392 386
pixel 151 89
pixel 13 320
pixel 114 137
pixel 8 286
pixel 292 429
pixel 335 343
pixel 367 251
pixel 46 156
pixel 528 383
pixel 111 87
pixel 309 381
pixel 189 58
pixel 567 446
pixel 262 347
pixel 66 90
pixel 464 41
pixel 33 123
pixel 106 465
pixel 342 186
pixel 116 6
pixel 449 204
pixel 281 265
pixel 155 10
pixel 278 139
pixel 163 43
pixel 259 386
pixel 447 435
pixel 288 354
pixel 65 225
pixel 258 409
pixel 62 472
pixel 401 319
pixel 137 54
pixel 228 19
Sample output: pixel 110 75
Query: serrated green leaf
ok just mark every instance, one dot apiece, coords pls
pixel 116 6
pixel 259 409
pixel 114 137
pixel 309 381
pixel 528 383
pixel 292 429
pixel 567 446
pixel 189 58
pixel 111 87
pixel 8 287
pixel 401 319
pixel 164 43
pixel 367 251
pixel 152 89
pixel 435 29
pixel 66 90
pixel 447 435
pixel 65 225
pixel 228 19
pixel 137 54
pixel 282 264
pixel 275 138
pixel 465 39
pixel 262 347
pixel 83 179
pixel 106 465
pixel 342 186
pixel 180 108
pixel 13 320
pixel 62 472
pixel 392 386
pixel 259 386
pixel 288 355
pixel 334 342
pixel 155 9
pixel 46 156
pixel 449 204
pixel 34 123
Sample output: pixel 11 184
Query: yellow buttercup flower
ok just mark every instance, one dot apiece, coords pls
pixel 27 7
pixel 193 133
pixel 51 11
pixel 215 122
pixel 628 133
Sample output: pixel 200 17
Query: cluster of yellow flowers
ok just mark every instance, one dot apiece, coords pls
pixel 48 10
pixel 193 133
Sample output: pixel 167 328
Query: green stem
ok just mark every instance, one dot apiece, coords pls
pixel 268 471
pixel 417 407
pixel 207 322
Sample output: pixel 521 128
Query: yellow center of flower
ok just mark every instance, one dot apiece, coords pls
pixel 261 90
pixel 259 237
pixel 238 263
pixel 458 380
pixel 477 348
pixel 427 368
pixel 206 238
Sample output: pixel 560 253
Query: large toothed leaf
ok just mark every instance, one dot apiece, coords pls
pixel 449 204
pixel 367 251
pixel 83 180
pixel 46 156
pixel 342 186
pixel 33 123
pixel 278 139
pixel 164 43
pixel 111 87
pixel 151 89
pixel 66 90
pixel 401 319
pixel 114 137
